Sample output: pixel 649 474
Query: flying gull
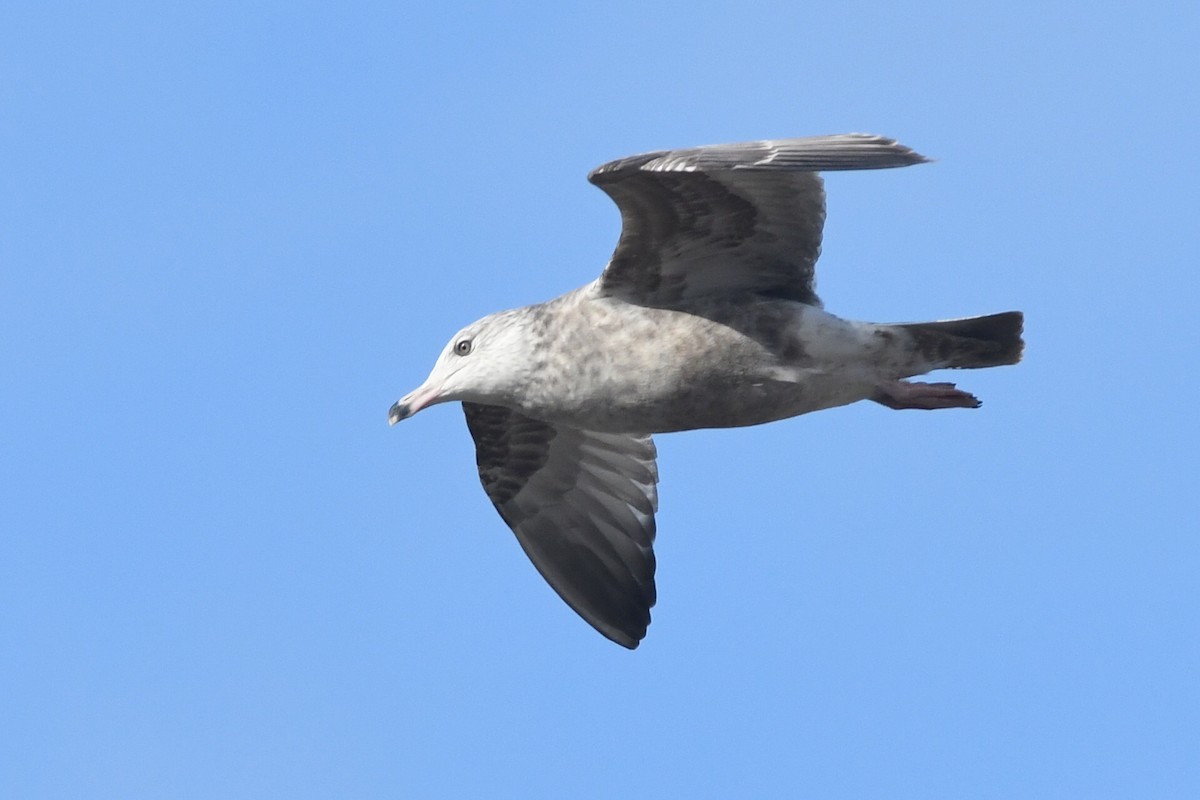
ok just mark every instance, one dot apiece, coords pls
pixel 705 317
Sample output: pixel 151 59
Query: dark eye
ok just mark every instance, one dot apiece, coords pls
pixel 462 347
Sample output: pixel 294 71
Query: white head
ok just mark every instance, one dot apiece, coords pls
pixel 485 362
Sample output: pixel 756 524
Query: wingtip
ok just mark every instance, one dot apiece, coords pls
pixel 623 639
pixel 919 158
pixel 898 148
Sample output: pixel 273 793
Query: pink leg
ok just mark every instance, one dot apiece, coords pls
pixel 928 396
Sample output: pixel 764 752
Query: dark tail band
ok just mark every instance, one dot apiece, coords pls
pixel 971 343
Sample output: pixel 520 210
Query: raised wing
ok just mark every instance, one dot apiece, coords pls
pixel 582 506
pixel 729 218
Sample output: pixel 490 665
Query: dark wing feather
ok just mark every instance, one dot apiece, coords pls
pixel 728 218
pixel 582 506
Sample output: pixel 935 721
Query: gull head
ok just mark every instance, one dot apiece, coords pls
pixel 482 363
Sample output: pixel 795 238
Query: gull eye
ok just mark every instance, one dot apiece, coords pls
pixel 462 347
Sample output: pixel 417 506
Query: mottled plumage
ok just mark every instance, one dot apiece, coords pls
pixel 705 316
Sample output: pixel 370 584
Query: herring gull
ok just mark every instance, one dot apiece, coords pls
pixel 704 317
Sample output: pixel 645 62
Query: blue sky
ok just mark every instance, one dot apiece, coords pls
pixel 233 234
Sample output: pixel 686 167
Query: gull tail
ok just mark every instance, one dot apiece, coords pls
pixel 970 343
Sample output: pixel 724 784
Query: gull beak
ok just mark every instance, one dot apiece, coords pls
pixel 411 403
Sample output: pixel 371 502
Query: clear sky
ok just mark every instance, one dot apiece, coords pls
pixel 232 234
